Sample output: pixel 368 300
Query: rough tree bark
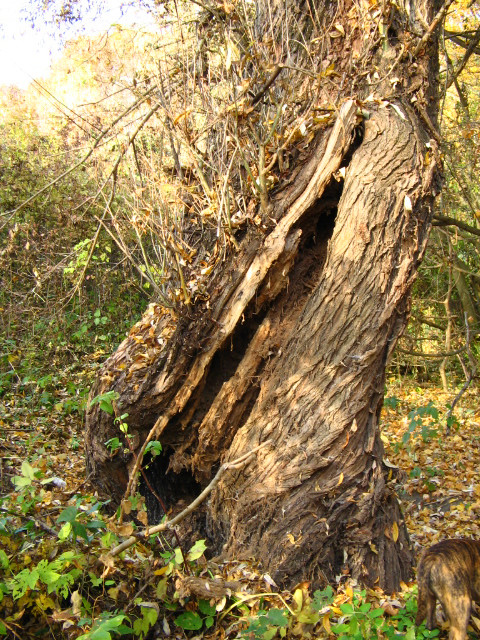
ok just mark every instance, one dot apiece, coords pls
pixel 292 346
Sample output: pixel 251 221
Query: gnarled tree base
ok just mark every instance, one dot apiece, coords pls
pixel 291 348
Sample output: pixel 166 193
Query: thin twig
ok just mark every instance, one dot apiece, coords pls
pixel 36 521
pixel 273 76
pixel 75 166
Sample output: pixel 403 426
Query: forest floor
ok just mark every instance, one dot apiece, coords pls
pixel 441 493
pixel 438 484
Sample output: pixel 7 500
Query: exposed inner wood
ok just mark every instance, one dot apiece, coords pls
pixel 165 385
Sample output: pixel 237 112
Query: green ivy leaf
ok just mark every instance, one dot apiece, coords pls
pixel 206 608
pixel 277 617
pixel 68 514
pixel 189 621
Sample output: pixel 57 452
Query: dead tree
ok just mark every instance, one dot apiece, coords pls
pixel 291 340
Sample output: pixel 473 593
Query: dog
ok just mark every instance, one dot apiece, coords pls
pixel 450 572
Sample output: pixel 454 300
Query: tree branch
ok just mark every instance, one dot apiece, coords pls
pixel 39 523
pixel 234 464
pixel 433 25
pixel 430 355
pixel 472 46
pixel 461 39
pixel 445 221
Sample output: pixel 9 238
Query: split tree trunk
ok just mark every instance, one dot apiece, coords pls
pixel 291 350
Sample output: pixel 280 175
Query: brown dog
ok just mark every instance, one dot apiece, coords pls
pixel 450 572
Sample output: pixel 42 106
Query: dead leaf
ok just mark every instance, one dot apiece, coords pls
pixel 395 531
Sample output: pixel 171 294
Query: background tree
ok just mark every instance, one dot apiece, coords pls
pixel 441 333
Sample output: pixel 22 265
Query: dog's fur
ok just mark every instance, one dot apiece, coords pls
pixel 450 572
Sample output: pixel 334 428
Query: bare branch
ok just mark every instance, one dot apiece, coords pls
pixel 445 221
pixel 472 46
pixel 431 29
pixel 149 531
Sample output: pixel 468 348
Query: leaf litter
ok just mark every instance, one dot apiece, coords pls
pixel 148 591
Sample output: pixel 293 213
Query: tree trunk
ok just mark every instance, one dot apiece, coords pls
pixel 291 348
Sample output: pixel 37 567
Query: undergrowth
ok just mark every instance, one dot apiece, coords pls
pixel 58 578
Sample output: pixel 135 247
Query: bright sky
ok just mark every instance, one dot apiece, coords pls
pixel 25 53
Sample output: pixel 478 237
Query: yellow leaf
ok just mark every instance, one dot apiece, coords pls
pixel 373 548
pixel 340 479
pixel 44 602
pixel 326 623
pixel 113 592
pixel 291 538
pixel 395 531
pixel 329 71
pixel 298 599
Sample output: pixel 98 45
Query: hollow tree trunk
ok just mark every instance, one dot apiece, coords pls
pixel 291 348
pixel 316 497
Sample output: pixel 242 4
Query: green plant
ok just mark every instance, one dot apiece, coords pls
pixel 77 522
pixel 426 476
pixel 51 574
pixel 402 625
pixel 106 400
pixel 322 598
pixel 424 419
pixel 358 619
pixel 106 624
pixel 148 617
pixel 76 401
pixel 266 624
pixel 195 620
pixel 28 492
pixel 391 402
pixel 89 325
